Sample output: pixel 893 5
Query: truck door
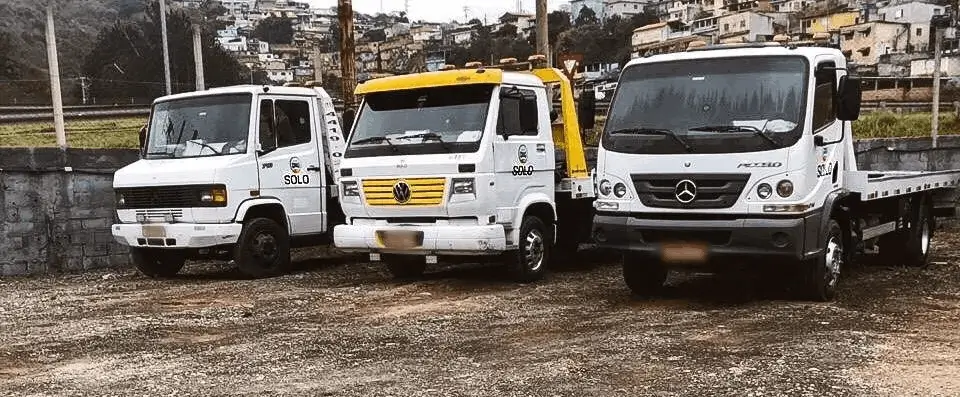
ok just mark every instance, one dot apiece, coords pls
pixel 292 170
pixel 829 157
pixel 523 148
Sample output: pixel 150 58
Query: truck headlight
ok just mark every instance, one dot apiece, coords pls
pixel 620 190
pixel 785 188
pixel 464 185
pixel 764 191
pixel 214 196
pixel 351 189
pixel 605 187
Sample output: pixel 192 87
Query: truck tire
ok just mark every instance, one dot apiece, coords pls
pixel 910 246
pixel 820 276
pixel 642 274
pixel 405 267
pixel 158 263
pixel 263 249
pixel 529 263
pixel 918 236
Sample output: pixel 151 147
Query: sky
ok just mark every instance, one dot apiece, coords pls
pixel 444 10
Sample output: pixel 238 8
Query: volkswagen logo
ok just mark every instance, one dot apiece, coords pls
pixel 401 192
pixel 686 191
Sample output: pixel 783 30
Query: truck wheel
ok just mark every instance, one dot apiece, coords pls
pixel 263 249
pixel 821 275
pixel 405 267
pixel 157 263
pixel 917 237
pixel 644 275
pixel 529 263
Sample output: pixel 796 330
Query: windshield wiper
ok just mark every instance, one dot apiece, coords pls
pixel 429 135
pixel 739 128
pixel 204 144
pixel 376 139
pixel 654 131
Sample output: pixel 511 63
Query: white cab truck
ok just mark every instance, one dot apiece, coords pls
pixel 743 154
pixel 463 164
pixel 242 173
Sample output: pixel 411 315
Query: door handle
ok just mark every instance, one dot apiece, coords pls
pixel 541 147
pixel 313 168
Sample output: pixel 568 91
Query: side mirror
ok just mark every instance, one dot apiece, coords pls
pixel 587 108
pixel 143 138
pixel 348 116
pixel 848 98
pixel 268 141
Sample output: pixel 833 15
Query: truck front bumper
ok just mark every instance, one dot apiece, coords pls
pixel 430 239
pixel 731 238
pixel 176 235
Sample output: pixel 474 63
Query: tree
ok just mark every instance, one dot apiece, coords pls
pixel 126 62
pixel 586 17
pixel 506 31
pixel 274 30
pixel 375 35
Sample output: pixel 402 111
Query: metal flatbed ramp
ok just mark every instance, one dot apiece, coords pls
pixel 873 185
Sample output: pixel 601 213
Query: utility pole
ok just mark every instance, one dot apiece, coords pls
pixel 54 66
pixel 166 50
pixel 84 87
pixel 543 35
pixel 198 56
pixel 937 51
pixel 348 65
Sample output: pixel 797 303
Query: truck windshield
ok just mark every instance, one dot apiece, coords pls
pixel 213 125
pixel 421 121
pixel 717 105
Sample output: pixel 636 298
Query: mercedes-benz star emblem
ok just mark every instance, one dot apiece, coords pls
pixel 686 191
pixel 401 192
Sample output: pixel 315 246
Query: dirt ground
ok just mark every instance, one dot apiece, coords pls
pixel 344 329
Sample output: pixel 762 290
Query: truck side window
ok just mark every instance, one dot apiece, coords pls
pixel 823 96
pixel 267 131
pixel 293 123
pixel 510 110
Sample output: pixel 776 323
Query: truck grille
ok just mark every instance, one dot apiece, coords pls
pixel 712 190
pixel 420 192
pixel 160 197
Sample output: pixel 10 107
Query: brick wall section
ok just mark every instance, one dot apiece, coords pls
pixel 58 221
pixel 55 220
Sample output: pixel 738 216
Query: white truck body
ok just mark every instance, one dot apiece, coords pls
pixel 468 195
pixel 715 192
pixel 215 159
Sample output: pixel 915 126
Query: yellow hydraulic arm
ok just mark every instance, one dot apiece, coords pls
pixel 566 133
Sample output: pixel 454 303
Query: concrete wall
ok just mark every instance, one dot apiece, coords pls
pixel 58 221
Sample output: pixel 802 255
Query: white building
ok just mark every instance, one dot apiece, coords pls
pixel 623 8
pixel 577 5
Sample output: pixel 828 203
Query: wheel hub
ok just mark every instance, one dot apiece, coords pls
pixel 535 250
pixel 265 246
pixel 833 260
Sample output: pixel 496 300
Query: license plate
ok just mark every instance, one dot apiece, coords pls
pixel 154 231
pixel 684 252
pixel 400 239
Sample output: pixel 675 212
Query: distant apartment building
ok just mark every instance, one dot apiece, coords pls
pixel 623 8
pixel 749 26
pixel 663 37
pixel 866 44
pixel 828 21
pixel 576 6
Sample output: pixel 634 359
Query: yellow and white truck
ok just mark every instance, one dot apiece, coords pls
pixel 467 162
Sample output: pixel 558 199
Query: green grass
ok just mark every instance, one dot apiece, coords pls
pixel 106 133
pixel 122 132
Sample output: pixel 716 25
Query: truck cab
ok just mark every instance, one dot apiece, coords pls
pixel 241 173
pixel 468 162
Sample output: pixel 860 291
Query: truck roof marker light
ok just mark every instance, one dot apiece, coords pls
pixel 473 65
pixel 448 67
pixel 696 44
pixel 538 61
pixel 508 61
pixel 782 39
pixel 821 37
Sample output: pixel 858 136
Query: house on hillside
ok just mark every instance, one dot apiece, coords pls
pixel 750 26
pixel 866 43
pixel 623 8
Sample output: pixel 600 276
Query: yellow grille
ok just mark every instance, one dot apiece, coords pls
pixel 423 191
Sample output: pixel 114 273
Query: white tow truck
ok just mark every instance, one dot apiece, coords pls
pixel 242 173
pixel 467 163
pixel 744 153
